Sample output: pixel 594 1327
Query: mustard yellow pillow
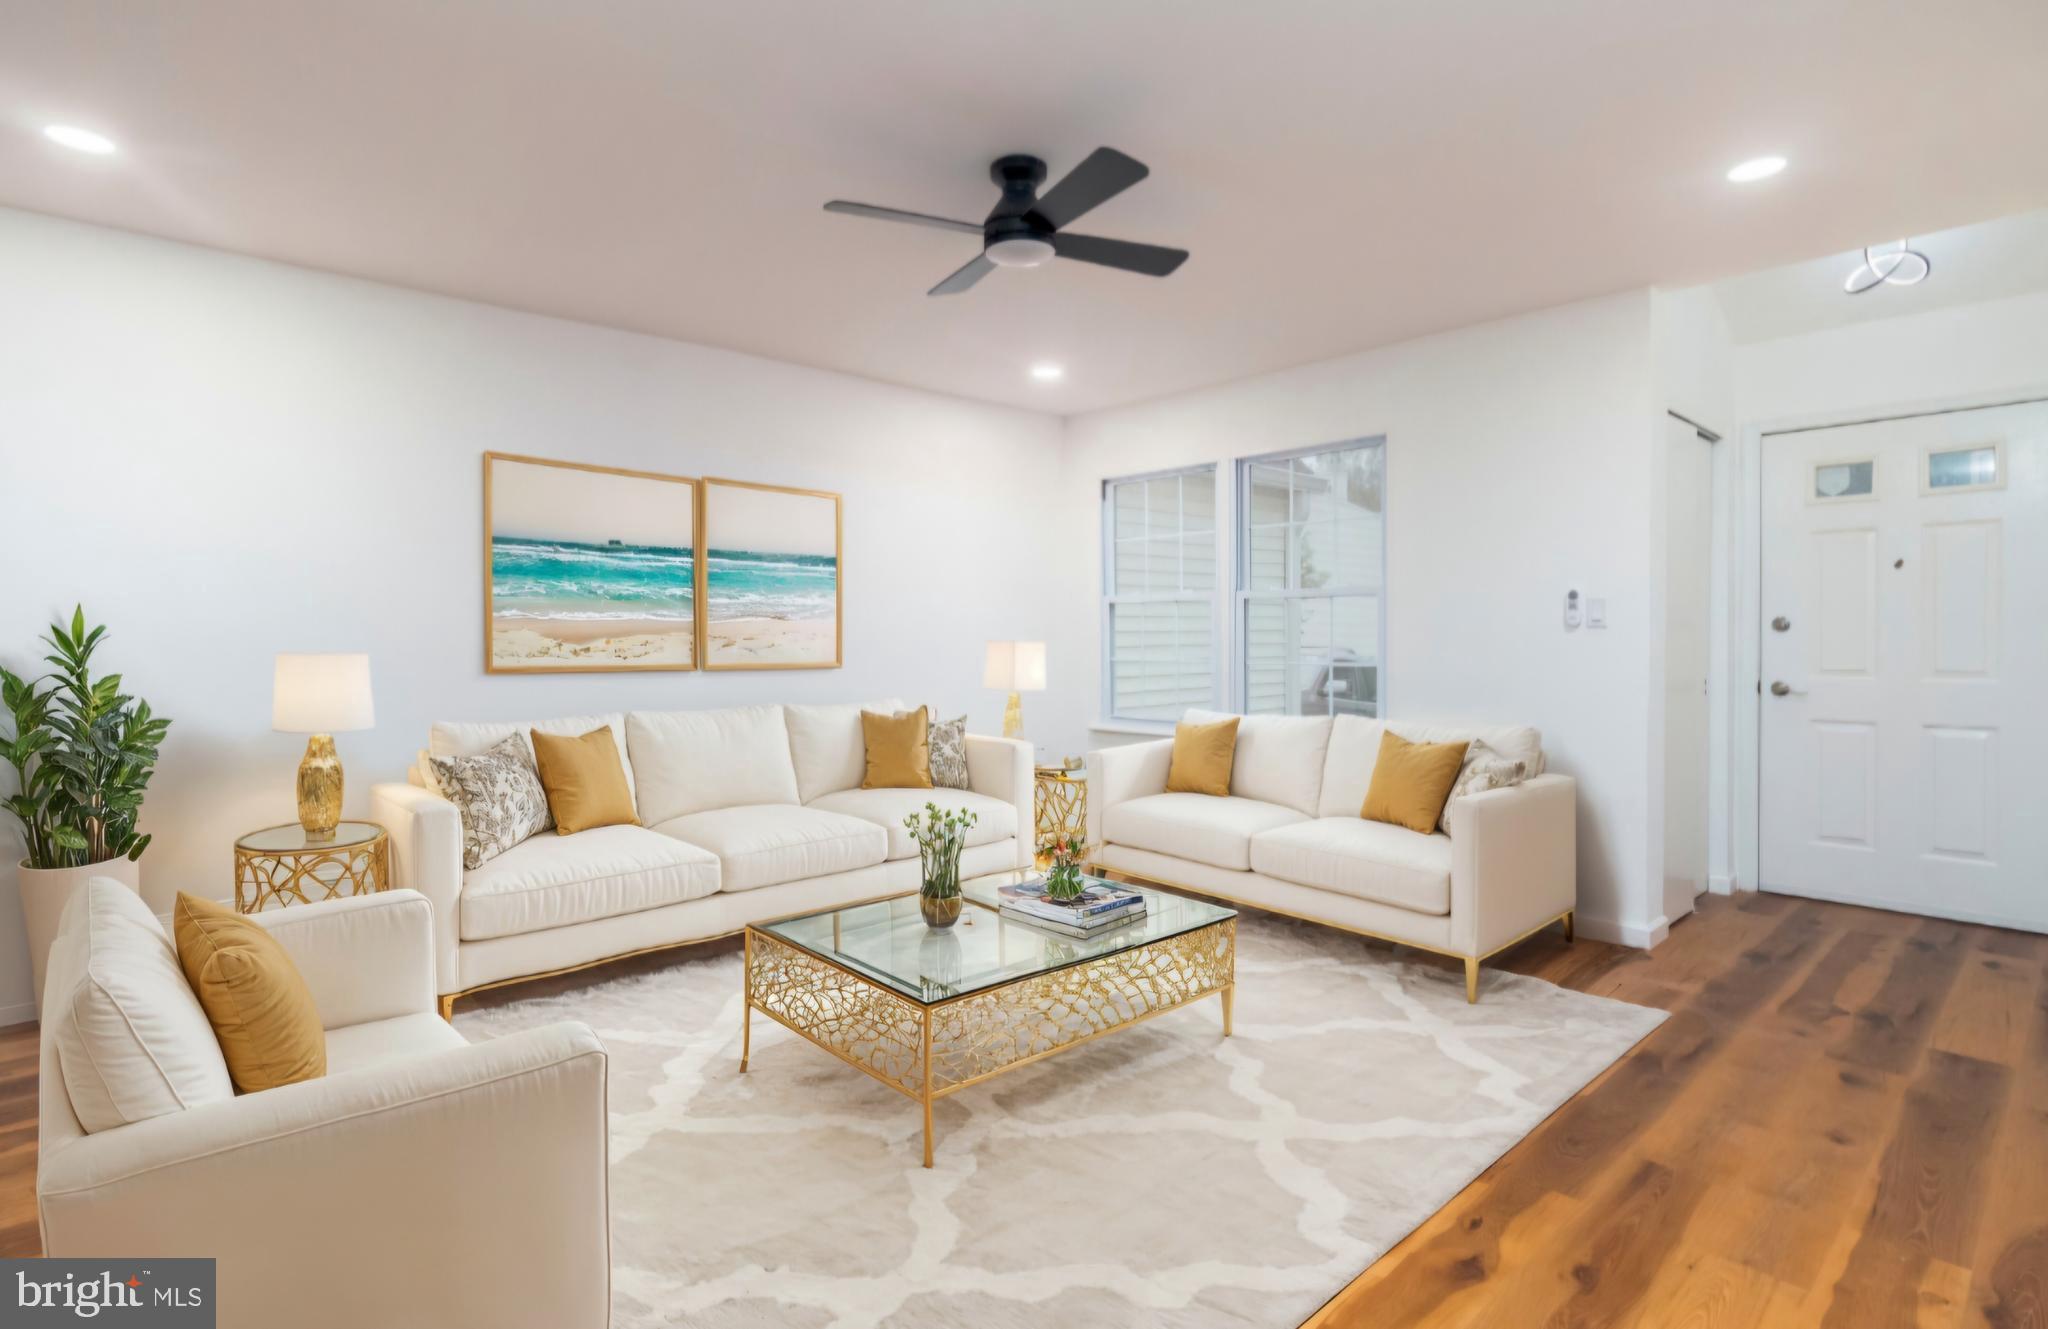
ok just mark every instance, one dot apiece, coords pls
pixel 584 780
pixel 1410 782
pixel 899 749
pixel 260 1008
pixel 1202 755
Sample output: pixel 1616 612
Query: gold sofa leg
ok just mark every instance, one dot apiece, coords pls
pixel 1472 980
pixel 448 1007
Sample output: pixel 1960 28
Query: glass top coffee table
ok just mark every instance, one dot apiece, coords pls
pixel 931 1011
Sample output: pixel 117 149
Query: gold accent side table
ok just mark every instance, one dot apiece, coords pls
pixel 1062 804
pixel 281 865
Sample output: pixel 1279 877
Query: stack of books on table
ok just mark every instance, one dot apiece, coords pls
pixel 1101 907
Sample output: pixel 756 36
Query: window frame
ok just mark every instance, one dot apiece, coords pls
pixel 1242 594
pixel 1110 598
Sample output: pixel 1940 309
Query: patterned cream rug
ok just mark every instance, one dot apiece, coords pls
pixel 1162 1176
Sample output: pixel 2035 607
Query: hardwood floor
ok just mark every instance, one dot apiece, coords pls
pixel 1843 1124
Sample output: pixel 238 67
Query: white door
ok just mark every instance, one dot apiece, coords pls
pixel 1688 588
pixel 1905 665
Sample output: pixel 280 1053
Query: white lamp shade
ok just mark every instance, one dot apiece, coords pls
pixel 1015 666
pixel 321 694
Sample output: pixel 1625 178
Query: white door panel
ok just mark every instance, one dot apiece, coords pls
pixel 1902 748
pixel 1688 592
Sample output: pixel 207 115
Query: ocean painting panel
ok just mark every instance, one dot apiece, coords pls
pixel 589 568
pixel 771 577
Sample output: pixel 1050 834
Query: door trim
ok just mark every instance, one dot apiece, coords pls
pixel 1745 630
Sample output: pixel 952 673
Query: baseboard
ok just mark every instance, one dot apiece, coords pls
pixel 1720 885
pixel 21 1012
pixel 1639 935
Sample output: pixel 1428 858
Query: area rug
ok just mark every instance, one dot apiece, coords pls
pixel 1164 1176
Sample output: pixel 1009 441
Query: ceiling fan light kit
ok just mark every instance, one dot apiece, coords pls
pixel 1900 265
pixel 1025 230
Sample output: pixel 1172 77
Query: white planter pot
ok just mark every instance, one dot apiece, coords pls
pixel 44 893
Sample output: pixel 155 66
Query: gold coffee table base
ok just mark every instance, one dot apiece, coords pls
pixel 926 1051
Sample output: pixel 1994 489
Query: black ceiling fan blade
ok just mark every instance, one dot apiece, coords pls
pixel 977 268
pixel 1105 174
pixel 1152 260
pixel 899 215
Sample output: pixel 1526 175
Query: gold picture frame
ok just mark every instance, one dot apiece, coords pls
pixel 544 629
pixel 788 632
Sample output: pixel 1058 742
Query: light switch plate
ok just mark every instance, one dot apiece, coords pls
pixel 1596 613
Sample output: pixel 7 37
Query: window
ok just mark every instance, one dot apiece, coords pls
pixel 1963 469
pixel 1159 594
pixel 1836 480
pixel 1311 560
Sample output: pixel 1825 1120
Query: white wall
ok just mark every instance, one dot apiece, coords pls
pixel 1518 465
pixel 225 458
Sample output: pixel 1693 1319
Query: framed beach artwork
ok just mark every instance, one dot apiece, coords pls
pixel 587 568
pixel 769 585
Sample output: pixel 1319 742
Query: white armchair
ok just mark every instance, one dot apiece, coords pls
pixel 422 1181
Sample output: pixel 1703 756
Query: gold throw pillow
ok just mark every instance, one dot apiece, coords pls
pixel 260 1008
pixel 584 779
pixel 1410 782
pixel 899 749
pixel 1202 755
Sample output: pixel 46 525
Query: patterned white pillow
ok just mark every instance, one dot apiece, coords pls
pixel 1485 768
pixel 499 795
pixel 949 752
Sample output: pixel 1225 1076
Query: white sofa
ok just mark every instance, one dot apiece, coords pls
pixel 746 814
pixel 422 1181
pixel 1289 837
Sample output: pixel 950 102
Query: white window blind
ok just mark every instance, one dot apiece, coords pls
pixel 1311 576
pixel 1159 594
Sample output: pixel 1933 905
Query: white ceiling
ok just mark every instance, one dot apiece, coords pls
pixel 1346 174
pixel 1988 261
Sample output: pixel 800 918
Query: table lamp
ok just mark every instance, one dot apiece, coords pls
pixel 1015 667
pixel 320 695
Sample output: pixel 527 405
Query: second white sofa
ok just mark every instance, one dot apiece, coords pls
pixel 1289 837
pixel 746 814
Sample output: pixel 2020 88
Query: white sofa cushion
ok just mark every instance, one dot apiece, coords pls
pixel 1368 860
pixel 553 880
pixel 995 819
pixel 769 844
pixel 1355 749
pixel 695 761
pixel 1217 831
pixel 1279 758
pixel 828 748
pixel 449 738
pixel 132 1040
pixel 375 1042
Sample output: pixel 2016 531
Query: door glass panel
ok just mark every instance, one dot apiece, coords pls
pixel 1965 468
pixel 1842 479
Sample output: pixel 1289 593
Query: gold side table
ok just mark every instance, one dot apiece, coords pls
pixel 281 865
pixel 1061 804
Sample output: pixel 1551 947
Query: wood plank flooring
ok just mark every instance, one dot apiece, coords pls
pixel 1844 1123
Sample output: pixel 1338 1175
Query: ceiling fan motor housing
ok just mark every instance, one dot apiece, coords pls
pixel 1014 237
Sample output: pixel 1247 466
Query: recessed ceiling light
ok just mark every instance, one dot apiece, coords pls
pixel 1756 168
pixel 82 140
pixel 1048 373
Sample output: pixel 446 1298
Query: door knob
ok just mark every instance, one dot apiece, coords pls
pixel 1783 689
pixel 1781 624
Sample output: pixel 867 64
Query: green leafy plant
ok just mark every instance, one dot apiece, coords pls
pixel 940 836
pixel 1063 880
pixel 82 753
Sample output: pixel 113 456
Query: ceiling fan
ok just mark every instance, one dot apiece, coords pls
pixel 1025 230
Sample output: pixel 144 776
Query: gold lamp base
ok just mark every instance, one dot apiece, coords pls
pixel 320 788
pixel 1013 717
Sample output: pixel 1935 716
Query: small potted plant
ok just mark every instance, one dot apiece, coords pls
pixel 82 752
pixel 940 835
pixel 1063 880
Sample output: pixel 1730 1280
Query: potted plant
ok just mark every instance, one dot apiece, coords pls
pixel 1063 880
pixel 82 752
pixel 940 836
